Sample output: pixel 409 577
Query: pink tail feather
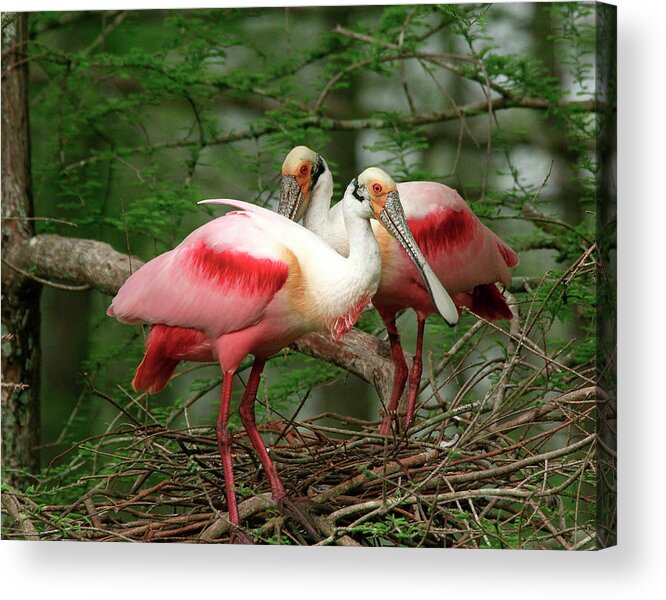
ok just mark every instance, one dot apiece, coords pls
pixel 166 346
pixel 154 372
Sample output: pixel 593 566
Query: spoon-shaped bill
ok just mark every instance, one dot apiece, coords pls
pixel 392 216
pixel 292 202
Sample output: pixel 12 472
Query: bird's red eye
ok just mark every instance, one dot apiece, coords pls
pixel 377 188
pixel 304 169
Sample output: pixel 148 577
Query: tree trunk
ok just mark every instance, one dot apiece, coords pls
pixel 20 294
pixel 606 326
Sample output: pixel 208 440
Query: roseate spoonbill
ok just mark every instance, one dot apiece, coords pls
pixel 252 282
pixel 466 256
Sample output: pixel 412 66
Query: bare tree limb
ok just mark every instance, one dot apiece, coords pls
pixel 80 261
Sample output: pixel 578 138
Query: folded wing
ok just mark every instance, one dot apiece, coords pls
pixel 219 279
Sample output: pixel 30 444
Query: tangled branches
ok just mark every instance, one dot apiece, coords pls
pixel 162 485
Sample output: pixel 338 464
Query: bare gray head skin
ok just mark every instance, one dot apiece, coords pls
pixel 379 189
pixel 302 173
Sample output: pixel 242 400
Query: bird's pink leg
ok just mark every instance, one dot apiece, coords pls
pixel 277 487
pixel 399 374
pixel 247 416
pixel 415 373
pixel 224 443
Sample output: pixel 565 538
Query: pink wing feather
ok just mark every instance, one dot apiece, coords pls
pixel 457 245
pixel 218 280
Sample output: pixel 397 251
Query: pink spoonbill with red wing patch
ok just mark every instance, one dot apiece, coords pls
pixel 252 282
pixel 461 252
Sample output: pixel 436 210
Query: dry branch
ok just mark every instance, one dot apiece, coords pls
pixel 23 522
pixel 351 484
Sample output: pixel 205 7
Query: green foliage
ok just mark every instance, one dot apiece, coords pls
pixel 402 148
pixel 298 375
pixel 391 530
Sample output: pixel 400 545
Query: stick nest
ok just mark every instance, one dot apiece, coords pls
pixel 505 482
